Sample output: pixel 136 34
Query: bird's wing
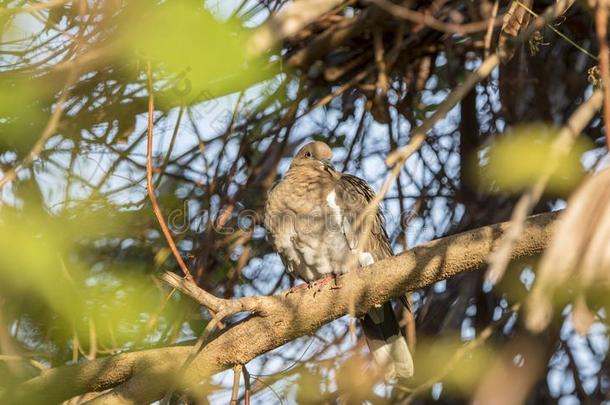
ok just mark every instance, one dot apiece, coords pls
pixel 353 197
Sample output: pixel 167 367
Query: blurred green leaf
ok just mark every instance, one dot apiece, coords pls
pixel 189 45
pixel 309 387
pixel 517 161
pixel 449 360
pixel 24 111
pixel 29 249
pixel 49 268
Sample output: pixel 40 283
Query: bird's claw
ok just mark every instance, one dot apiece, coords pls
pixel 323 281
pixel 318 284
pixel 298 287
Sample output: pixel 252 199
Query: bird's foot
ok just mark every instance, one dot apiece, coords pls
pixel 323 281
pixel 298 287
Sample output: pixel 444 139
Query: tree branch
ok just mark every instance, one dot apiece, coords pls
pixel 143 377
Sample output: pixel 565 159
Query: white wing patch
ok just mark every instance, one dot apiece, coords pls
pixel 331 200
pixel 366 259
pixel 341 221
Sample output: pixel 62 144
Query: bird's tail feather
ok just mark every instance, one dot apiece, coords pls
pixel 386 343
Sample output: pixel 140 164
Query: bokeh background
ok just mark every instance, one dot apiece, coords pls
pixel 80 248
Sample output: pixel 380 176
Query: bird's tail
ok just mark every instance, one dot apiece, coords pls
pixel 386 343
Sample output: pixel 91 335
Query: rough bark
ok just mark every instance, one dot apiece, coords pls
pixel 143 377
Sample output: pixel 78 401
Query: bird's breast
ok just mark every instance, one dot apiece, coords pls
pixel 307 228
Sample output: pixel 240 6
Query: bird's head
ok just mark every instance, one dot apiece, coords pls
pixel 314 154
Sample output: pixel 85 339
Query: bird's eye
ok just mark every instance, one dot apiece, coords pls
pixel 308 155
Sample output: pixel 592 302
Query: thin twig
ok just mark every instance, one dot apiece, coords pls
pixel 382 81
pixel 601 28
pixel 427 19
pixel 150 187
pixel 561 34
pixel 247 385
pixel 499 259
pixel 48 131
pixel 459 354
pixel 223 307
pixel 75 345
pixel 236 377
pixel 33 7
pixel 289 21
pixel 418 135
pixel 490 29
pixel 170 148
pixel 205 298
pixel 11 358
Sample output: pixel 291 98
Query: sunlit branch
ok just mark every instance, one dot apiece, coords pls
pixel 142 376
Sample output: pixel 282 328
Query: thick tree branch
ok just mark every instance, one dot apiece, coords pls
pixel 142 377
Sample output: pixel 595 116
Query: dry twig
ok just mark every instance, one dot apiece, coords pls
pixel 459 355
pixel 150 186
pixel 237 371
pixel 578 255
pixel 601 28
pixel 418 135
pixel 499 259
pixel 48 131
pixel 429 20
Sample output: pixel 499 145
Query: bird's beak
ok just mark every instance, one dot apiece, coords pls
pixel 327 163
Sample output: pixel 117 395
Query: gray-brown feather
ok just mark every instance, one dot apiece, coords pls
pixel 355 195
pixel 313 221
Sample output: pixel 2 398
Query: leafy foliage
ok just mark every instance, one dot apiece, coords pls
pixel 80 249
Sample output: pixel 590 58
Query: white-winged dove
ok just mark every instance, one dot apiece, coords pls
pixel 313 221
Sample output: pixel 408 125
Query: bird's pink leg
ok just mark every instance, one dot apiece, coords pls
pixel 298 287
pixel 317 283
pixel 326 280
